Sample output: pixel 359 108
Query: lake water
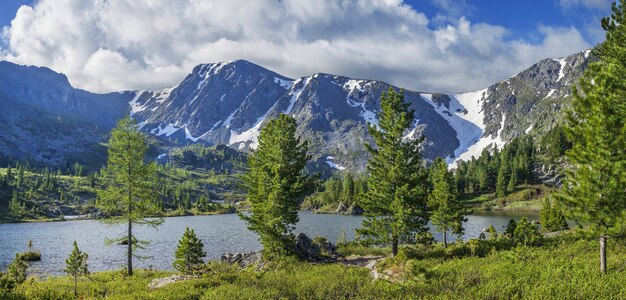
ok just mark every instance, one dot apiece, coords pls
pixel 219 233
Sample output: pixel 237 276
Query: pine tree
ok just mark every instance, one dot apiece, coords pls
pixel 551 216
pixel 76 264
pixel 16 210
pixel 501 183
pixel 275 181
pixel 446 212
pixel 16 271
pixel 596 125
pixel 395 203
pixel 189 253
pixel 129 183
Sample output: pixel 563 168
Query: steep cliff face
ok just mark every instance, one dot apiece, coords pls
pixel 44 119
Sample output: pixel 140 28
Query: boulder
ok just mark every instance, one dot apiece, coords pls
pixel 306 248
pixel 244 259
pixel 354 210
pixel 161 282
pixel 341 208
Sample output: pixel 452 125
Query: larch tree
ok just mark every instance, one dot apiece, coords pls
pixel 395 203
pixel 129 193
pixel 275 182
pixel 446 212
pixel 596 125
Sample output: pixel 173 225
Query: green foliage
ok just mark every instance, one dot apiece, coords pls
pixel 595 185
pixel 552 217
pixel 275 183
pixel 16 272
pixel 446 212
pixel 129 182
pixel 500 171
pixel 76 264
pixel 554 143
pixel 345 188
pixel 189 253
pixel 395 202
pixel 526 233
pixel 562 268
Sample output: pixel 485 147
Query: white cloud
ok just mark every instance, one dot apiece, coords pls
pixel 593 4
pixel 134 44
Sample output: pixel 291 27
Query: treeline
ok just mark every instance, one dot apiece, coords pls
pixel 216 160
pixel 500 171
pixel 343 188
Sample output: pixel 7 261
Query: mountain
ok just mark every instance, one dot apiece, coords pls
pixel 228 103
pixel 44 119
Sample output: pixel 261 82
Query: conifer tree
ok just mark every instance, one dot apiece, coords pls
pixel 16 209
pixel 76 265
pixel 129 183
pixel 551 216
pixel 446 212
pixel 189 253
pixel 275 181
pixel 596 125
pixel 16 271
pixel 395 203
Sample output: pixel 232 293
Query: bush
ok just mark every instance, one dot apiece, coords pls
pixel 30 256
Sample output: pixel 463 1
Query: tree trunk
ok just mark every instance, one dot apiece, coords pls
pixel 445 236
pixel 75 293
pixel 394 246
pixel 603 254
pixel 130 248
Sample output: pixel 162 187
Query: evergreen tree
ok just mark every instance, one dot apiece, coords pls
pixel 395 203
pixel 526 233
pixel 76 264
pixel 501 183
pixel 16 210
pixel 129 183
pixel 596 125
pixel 446 212
pixel 189 253
pixel 16 271
pixel 551 216
pixel 275 181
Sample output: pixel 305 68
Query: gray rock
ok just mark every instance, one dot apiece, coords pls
pixel 161 282
pixel 244 259
pixel 354 210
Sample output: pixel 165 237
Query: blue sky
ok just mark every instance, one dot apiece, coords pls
pixel 435 45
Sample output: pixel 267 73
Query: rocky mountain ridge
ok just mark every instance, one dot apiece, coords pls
pixel 229 102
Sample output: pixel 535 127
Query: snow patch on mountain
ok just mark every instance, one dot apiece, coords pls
pixel 483 143
pixel 287 84
pixel 352 86
pixel 167 130
pixel 230 118
pixel 561 71
pixel 333 165
pixel 295 94
pixel 135 107
pixel 465 115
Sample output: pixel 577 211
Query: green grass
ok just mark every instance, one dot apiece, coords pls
pixel 563 268
pixel 525 198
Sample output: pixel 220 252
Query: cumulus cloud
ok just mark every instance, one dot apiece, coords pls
pixel 134 44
